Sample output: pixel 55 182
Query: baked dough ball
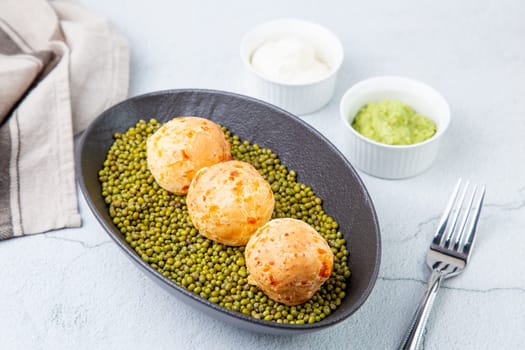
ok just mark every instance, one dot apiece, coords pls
pixel 229 201
pixel 182 146
pixel 288 260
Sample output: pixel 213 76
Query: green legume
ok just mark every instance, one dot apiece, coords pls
pixel 155 223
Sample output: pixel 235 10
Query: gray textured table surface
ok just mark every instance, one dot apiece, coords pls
pixel 73 289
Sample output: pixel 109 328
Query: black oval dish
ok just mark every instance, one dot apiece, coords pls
pixel 317 163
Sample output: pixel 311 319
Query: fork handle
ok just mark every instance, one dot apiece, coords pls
pixel 415 332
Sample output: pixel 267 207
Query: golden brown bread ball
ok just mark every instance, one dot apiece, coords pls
pixel 288 260
pixel 181 147
pixel 229 201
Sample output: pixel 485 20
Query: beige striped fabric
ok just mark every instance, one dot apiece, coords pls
pixel 60 66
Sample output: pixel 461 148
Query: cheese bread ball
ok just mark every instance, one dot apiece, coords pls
pixel 288 260
pixel 229 201
pixel 181 147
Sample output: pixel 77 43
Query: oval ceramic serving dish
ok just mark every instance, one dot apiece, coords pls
pixel 317 163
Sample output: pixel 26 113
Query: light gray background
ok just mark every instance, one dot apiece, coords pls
pixel 74 288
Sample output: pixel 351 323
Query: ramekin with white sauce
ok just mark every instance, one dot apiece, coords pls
pixel 292 63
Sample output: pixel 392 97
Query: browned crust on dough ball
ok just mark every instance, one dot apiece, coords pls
pixel 288 260
pixel 182 146
pixel 229 201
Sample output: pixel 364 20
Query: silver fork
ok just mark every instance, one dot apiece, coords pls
pixel 449 251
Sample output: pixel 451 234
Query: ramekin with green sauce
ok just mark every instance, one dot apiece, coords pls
pixel 395 126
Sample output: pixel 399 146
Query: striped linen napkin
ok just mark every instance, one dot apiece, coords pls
pixel 60 66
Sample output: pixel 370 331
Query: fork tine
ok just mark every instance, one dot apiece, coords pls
pixel 456 213
pixel 460 231
pixel 473 222
pixel 444 218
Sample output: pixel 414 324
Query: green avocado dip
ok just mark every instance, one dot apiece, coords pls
pixel 393 123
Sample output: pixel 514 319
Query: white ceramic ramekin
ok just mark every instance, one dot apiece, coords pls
pixel 295 98
pixel 391 161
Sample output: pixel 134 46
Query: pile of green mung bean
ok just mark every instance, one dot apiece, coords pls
pixel 157 226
